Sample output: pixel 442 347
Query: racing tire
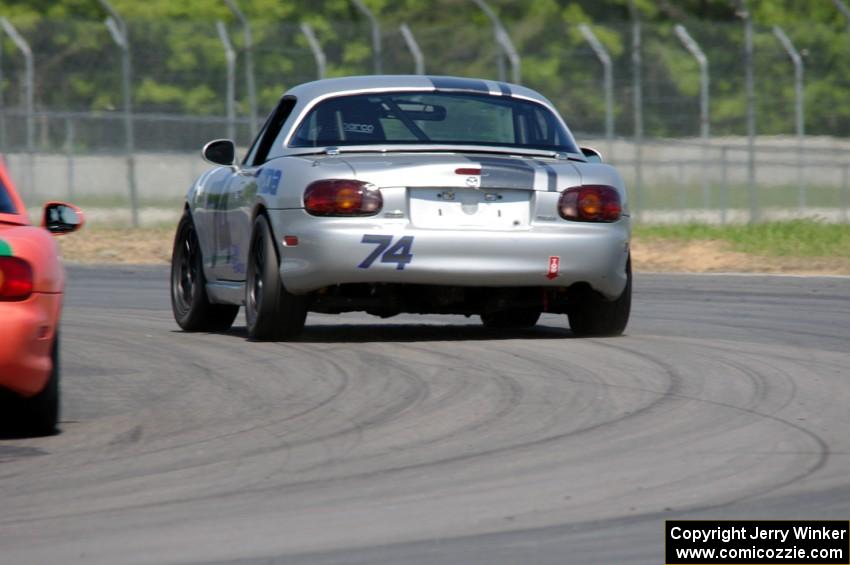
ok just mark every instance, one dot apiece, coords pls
pixel 271 313
pixel 592 315
pixel 510 319
pixel 39 415
pixel 190 304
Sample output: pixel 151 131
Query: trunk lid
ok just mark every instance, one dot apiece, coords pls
pixel 467 191
pixel 440 170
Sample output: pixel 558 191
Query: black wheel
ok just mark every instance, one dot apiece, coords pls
pixel 192 309
pixel 510 319
pixel 592 315
pixel 271 313
pixel 37 415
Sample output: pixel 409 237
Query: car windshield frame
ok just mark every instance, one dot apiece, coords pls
pixel 520 109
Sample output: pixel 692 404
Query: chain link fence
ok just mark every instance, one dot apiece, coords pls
pixel 683 149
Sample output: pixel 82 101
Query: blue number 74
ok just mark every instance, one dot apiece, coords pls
pixel 400 253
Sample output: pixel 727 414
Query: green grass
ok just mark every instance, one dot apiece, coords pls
pixel 796 238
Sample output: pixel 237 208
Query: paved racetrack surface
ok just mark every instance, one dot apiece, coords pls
pixel 428 439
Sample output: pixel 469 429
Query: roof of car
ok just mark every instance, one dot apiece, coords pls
pixel 355 84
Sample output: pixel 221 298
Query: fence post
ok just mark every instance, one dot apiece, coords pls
pixel 316 48
pixel 698 54
pixel 513 56
pixel 413 46
pixel 230 97
pixel 752 190
pixel 799 105
pixel 497 26
pixel 29 87
pixel 249 63
pixel 638 108
pixel 118 30
pixel 607 82
pixel 70 135
pixel 724 184
pixel 376 35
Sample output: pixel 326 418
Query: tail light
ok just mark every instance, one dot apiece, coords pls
pixel 590 203
pixel 15 279
pixel 339 197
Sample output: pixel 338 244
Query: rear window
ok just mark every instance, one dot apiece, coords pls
pixel 439 118
pixel 6 206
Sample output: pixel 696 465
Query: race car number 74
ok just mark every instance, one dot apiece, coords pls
pixel 389 252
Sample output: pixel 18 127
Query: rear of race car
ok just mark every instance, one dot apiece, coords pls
pixel 458 220
pixel 425 195
pixel 30 304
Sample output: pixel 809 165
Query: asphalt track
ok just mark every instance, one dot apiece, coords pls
pixel 430 440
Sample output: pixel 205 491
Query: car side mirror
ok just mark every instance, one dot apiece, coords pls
pixel 60 218
pixel 591 154
pixel 220 152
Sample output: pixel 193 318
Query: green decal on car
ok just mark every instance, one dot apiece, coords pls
pixel 5 249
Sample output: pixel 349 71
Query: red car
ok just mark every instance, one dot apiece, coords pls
pixel 32 282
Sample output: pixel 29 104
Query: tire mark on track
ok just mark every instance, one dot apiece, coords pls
pixel 822 451
pixel 674 386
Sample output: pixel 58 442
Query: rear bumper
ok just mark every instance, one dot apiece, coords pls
pixel 331 251
pixel 26 336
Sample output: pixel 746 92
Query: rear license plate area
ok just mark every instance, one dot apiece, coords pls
pixel 459 208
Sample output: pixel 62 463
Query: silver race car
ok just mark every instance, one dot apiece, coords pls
pixel 390 194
